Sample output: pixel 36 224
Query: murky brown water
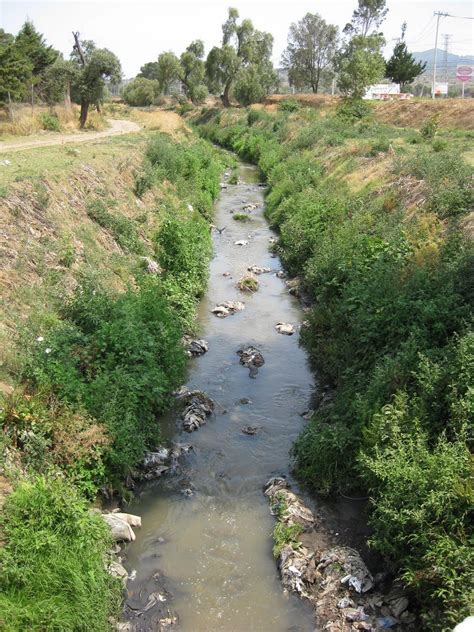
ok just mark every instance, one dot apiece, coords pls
pixel 214 548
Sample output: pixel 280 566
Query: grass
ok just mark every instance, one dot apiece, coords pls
pixel 241 217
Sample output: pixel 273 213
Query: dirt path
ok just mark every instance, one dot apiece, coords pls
pixel 116 127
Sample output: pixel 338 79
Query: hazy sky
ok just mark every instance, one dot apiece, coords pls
pixel 138 31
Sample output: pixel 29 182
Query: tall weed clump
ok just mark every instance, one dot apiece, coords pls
pixel 53 573
pixel 389 331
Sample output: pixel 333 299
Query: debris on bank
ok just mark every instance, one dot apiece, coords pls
pixel 335 580
pixel 199 406
pixel 195 346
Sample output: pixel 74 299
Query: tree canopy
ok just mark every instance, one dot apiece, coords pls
pixel 312 44
pixel 167 71
pixel 94 66
pixel 244 50
pixel 193 72
pixel 402 67
pixel 369 14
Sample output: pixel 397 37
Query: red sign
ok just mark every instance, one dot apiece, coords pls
pixel 464 73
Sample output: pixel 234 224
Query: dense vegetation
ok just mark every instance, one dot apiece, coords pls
pixel 95 376
pixel 385 263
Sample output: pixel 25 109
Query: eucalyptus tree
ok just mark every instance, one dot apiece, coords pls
pixel 312 45
pixel 193 72
pixel 245 51
pixel 94 66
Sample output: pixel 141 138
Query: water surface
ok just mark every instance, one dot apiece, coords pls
pixel 214 548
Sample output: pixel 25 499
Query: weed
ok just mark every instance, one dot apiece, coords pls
pixel 241 217
pixel 50 122
pixel 289 105
pixel 284 535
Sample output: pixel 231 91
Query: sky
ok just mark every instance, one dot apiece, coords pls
pixel 138 31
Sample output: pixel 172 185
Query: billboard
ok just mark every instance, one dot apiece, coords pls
pixel 464 73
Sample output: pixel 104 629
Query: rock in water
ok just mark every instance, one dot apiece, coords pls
pixel 258 270
pixel 228 308
pixel 286 329
pixel 241 242
pixel 252 359
pixel 195 346
pixel 250 430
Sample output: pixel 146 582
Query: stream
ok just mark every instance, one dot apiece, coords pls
pixel 211 552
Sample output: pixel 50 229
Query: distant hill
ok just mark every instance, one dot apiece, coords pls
pixel 452 61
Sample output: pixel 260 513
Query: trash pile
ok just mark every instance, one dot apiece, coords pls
pixel 195 346
pixel 199 406
pixel 252 359
pixel 335 580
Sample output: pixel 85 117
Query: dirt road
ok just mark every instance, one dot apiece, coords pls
pixel 116 127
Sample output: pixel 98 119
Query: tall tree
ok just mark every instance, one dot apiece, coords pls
pixel 150 70
pixel 94 66
pixel 360 62
pixel 168 70
pixel 243 47
pixel 56 81
pixel 15 71
pixel 193 71
pixel 32 45
pixel 369 14
pixel 312 44
pixel 402 67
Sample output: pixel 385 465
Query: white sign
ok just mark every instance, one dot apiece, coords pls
pixel 441 88
pixel 464 73
pixel 382 91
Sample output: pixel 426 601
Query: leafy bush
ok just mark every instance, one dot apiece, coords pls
pixel 430 127
pixel 289 105
pixel 352 109
pixel 50 122
pixel 141 91
pixel 52 561
pixel 117 356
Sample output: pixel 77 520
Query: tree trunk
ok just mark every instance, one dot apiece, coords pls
pixel 84 113
pixel 225 97
pixel 97 105
pixel 67 97
pixel 10 109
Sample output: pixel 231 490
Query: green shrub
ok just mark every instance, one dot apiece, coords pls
pixel 289 105
pixel 117 356
pixel 352 109
pixel 52 561
pixel 241 217
pixel 430 128
pixel 283 535
pixel 50 122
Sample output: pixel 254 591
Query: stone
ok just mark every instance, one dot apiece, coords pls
pixel 133 521
pixel 287 329
pixel 241 242
pixel 121 530
pixel 281 274
pixel 227 308
pixel 250 430
pixel 116 569
pixel 250 207
pixel 251 358
pixel 245 400
pixel 398 606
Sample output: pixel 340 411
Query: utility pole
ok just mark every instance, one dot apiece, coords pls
pixel 439 14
